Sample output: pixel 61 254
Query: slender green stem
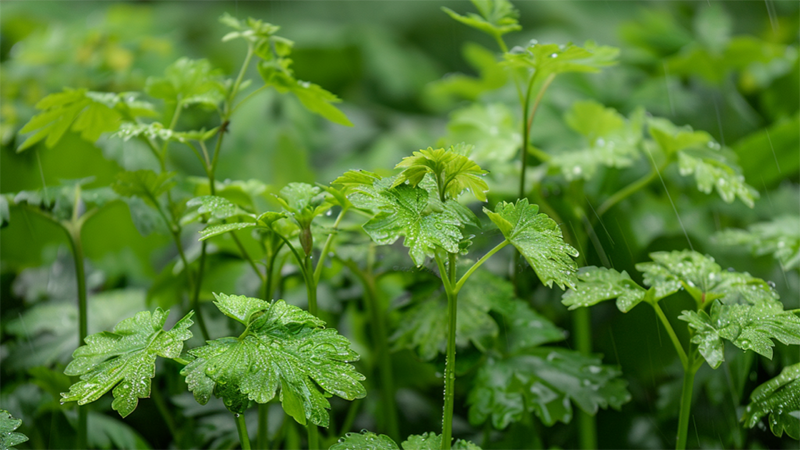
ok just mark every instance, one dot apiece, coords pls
pixel 326 248
pixel 262 441
pixel 582 327
pixel 269 275
pixel 241 428
pixel 311 287
pixel 443 274
pixel 249 96
pixel 246 256
pixel 686 403
pixel 201 321
pixel 74 231
pixel 313 437
pixel 537 101
pixel 238 82
pixel 525 136
pixel 673 337
pixel 450 362
pixel 630 189
pixel 477 264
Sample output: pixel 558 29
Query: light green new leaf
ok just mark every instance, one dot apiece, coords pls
pixel 672 138
pixel 544 381
pixel 216 230
pixel 366 440
pixel 216 207
pixel 8 437
pixel 596 284
pixel 188 81
pixel 702 278
pixel 749 326
pixel 283 349
pixel 125 358
pixel 538 238
pixel 144 184
pixel 433 441
pixel 457 86
pixel 405 212
pixel 452 171
pixel 553 59
pixel 780 398
pixel 497 17
pixel 780 238
pixel 612 140
pixel 714 168
pixel 89 113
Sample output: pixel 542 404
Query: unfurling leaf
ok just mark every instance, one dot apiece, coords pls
pixel 125 359
pixel 451 169
pixel 538 238
pixel 780 399
pixel 8 436
pixel 596 284
pixel 284 350
pixel 544 381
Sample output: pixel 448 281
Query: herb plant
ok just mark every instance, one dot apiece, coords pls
pixel 235 263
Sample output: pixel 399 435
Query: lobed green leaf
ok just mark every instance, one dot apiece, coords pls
pixel 779 398
pixel 779 237
pixel 597 284
pixel 8 436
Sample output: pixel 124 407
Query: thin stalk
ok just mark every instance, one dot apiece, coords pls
pixel 326 248
pixel 687 365
pixel 450 362
pixel 630 189
pixel 527 123
pixel 262 442
pixel 311 286
pixel 74 232
pixel 241 428
pixel 196 295
pixel 313 437
pixel 686 403
pixel 477 264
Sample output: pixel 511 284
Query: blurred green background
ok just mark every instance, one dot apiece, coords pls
pixel 730 68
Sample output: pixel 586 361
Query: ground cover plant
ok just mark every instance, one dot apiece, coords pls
pixel 218 251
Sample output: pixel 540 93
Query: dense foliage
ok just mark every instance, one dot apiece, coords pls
pixel 374 203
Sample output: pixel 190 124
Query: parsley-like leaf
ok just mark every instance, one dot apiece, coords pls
pixel 188 81
pixel 749 326
pixel 433 441
pixel 366 440
pixel 284 349
pixel 780 238
pixel 89 113
pixel 780 399
pixel 125 358
pixel 8 436
pixel 453 171
pixel 544 381
pixel 156 130
pixel 490 128
pixel 538 238
pixel 497 17
pixel 597 284
pixel 547 59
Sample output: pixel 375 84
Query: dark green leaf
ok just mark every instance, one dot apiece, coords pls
pixel 543 381
pixel 8 437
pixel 284 349
pixel 596 284
pixel 497 17
pixel 780 398
pixel 366 440
pixel 125 358
pixel 539 239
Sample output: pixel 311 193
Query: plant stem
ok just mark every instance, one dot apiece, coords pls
pixel 477 264
pixel 630 189
pixel 582 327
pixel 672 336
pixel 450 362
pixel 74 232
pixel 196 296
pixel 262 441
pixel 311 287
pixel 313 437
pixel 241 428
pixel 527 121
pixel 326 248
pixel 686 403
